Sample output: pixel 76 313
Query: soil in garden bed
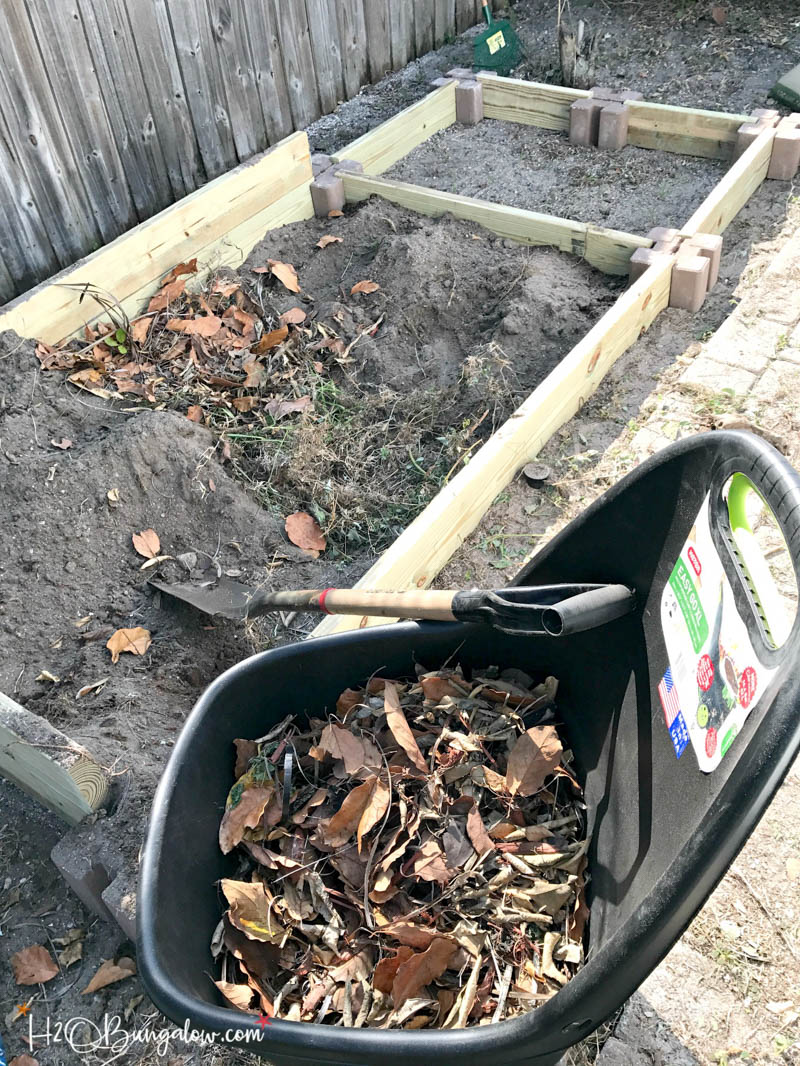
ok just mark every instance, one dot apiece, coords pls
pixel 462 327
pixel 633 189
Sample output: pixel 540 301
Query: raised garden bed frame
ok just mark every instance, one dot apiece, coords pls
pixel 222 222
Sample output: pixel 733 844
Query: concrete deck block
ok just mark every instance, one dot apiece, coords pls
pixel 584 122
pixel 708 245
pixel 460 72
pixel 612 132
pixel 745 135
pixel 689 282
pixel 665 239
pixel 120 899
pixel 767 116
pixel 641 259
pixel 469 103
pixel 88 861
pixel 327 194
pixel 785 159
pixel 439 83
pixel 320 163
pixel 352 166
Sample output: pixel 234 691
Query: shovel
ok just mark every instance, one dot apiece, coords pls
pixel 553 610
pixel 498 48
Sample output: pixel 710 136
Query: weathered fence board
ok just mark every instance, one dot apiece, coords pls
pixel 327 49
pixel 110 110
pixel 379 38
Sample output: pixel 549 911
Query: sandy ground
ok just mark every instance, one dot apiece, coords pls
pixel 66 551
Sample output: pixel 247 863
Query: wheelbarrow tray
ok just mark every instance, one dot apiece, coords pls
pixel 663 832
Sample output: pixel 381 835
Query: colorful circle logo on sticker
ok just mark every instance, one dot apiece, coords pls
pixel 702 716
pixel 748 683
pixel 705 672
pixel 711 742
pixel 695 561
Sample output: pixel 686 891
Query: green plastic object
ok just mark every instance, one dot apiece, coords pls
pixel 498 48
pixel 787 89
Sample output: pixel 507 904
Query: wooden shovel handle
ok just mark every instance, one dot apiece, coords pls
pixel 431 604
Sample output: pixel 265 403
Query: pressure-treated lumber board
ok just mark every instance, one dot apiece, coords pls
pixel 684 130
pixel 47 765
pixel 234 247
pixel 730 195
pixel 232 208
pixel 420 552
pixel 529 102
pixel 382 147
pixel 608 250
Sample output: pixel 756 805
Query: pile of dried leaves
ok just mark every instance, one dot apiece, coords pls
pixel 418 859
pixel 281 391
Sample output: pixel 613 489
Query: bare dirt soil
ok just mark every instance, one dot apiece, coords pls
pixel 66 553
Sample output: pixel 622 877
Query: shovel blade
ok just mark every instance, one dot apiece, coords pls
pixel 224 597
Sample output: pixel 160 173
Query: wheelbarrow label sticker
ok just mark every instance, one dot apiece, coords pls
pixel 676 723
pixel 715 677
pixel 496 42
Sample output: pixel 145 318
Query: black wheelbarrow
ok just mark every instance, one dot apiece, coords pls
pixel 684 717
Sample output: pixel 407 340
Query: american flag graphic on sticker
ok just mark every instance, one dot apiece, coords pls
pixel 669 697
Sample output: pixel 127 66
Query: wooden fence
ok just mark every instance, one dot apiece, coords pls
pixel 112 109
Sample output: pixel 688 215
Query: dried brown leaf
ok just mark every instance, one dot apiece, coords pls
pixel 323 242
pixel 24 1060
pixel 33 965
pixel 293 317
pixel 195 413
pixel 340 828
pixel 375 810
pixel 189 267
pixel 250 911
pixel 350 698
pixel 401 731
pixel 436 688
pixel 278 409
pixel 246 814
pixel 202 326
pixel 386 970
pixel 245 403
pixel 422 968
pixel 533 758
pixel 239 996
pixel 303 530
pixel 245 751
pixel 109 973
pixel 357 752
pixel 365 287
pixel 272 339
pixel 476 831
pixel 428 863
pixel 164 297
pixel 147 543
pixel 63 444
pixel 136 641
pixel 284 272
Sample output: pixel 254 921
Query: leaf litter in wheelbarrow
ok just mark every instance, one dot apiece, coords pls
pixel 416 860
